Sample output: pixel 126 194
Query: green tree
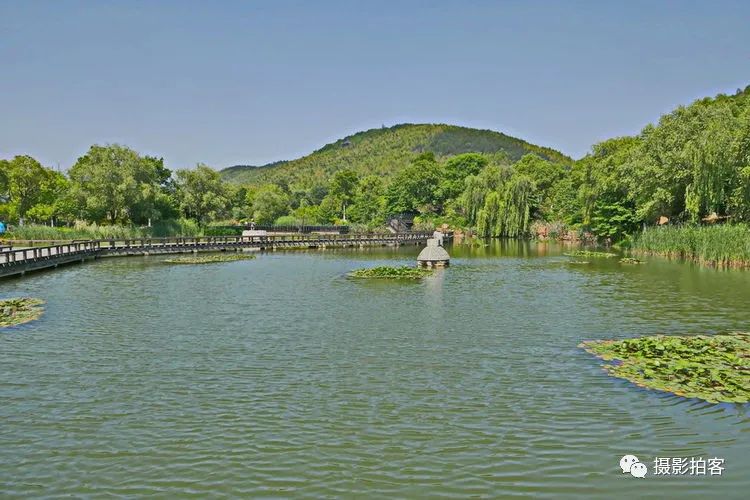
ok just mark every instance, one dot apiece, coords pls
pixel 27 184
pixel 201 194
pixel 269 203
pixel 4 167
pixel 415 188
pixel 343 187
pixel 116 184
pixel 328 209
pixel 478 187
pixel 369 203
pixel 53 203
pixel 456 170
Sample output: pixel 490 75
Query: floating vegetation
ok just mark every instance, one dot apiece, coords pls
pixel 714 368
pixel 386 272
pixel 579 262
pixel 589 253
pixel 209 259
pixel 631 260
pixel 20 310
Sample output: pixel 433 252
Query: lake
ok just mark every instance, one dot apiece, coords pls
pixel 280 377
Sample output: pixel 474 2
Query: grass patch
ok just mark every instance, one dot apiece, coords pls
pixel 726 245
pixel 209 259
pixel 387 272
pixel 631 260
pixel 590 253
pixel 714 368
pixel 19 310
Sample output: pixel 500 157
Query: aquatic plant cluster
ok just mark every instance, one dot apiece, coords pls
pixel 590 253
pixel 17 311
pixel 209 259
pixel 722 245
pixel 715 368
pixel 387 272
pixel 631 260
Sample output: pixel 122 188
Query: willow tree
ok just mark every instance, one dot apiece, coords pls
pixel 507 211
pixel 477 187
pixel 489 215
pixel 520 195
pixel 710 156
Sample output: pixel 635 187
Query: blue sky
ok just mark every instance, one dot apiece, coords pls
pixel 251 82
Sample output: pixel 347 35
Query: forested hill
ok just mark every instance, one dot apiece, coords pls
pixel 386 151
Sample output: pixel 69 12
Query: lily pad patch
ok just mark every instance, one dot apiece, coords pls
pixel 715 368
pixel 17 311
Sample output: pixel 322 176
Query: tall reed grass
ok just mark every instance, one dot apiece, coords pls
pixel 83 231
pixel 725 245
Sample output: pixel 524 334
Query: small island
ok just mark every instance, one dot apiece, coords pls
pixel 209 259
pixel 19 310
pixel 715 368
pixel 387 272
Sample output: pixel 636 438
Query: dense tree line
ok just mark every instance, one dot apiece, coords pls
pixel 695 162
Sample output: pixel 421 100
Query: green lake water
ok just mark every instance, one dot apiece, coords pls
pixel 280 377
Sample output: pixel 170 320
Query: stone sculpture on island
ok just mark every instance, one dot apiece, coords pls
pixel 434 255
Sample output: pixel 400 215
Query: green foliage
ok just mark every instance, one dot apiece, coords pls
pixel 287 220
pixel 369 202
pixel 612 219
pixel 201 194
pixel 714 368
pixel 507 209
pixel 308 215
pixel 415 188
pixel 386 272
pixel 387 151
pixel 29 190
pixel 269 203
pixel 116 184
pixel 456 170
pixel 695 162
pixel 343 187
pixel 329 209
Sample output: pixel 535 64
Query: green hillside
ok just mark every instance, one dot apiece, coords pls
pixel 386 151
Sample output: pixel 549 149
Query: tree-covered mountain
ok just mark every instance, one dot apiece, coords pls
pixel 386 151
pixel 690 167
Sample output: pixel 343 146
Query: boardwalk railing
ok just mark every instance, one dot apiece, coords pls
pixel 21 255
pixel 20 260
pixel 273 228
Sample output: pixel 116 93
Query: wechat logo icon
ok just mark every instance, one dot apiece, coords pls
pixel 630 463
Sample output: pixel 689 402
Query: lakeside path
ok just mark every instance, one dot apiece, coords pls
pixel 18 261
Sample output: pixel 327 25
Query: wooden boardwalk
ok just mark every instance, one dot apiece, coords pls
pixel 18 261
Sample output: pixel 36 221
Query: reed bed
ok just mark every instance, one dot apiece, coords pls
pixel 722 246
pixel 102 232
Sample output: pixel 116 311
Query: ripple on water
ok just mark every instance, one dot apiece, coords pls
pixel 277 377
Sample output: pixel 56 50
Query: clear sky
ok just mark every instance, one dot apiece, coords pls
pixel 250 82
